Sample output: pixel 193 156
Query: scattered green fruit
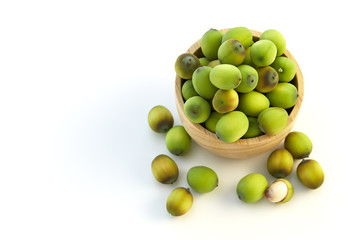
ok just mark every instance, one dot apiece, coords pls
pixel 160 119
pixel 298 144
pixel 186 64
pixel 251 188
pixel 164 169
pixel 310 173
pixel 178 141
pixel 179 201
pixel 202 179
pixel 280 163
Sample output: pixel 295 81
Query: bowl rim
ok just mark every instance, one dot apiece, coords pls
pixel 263 139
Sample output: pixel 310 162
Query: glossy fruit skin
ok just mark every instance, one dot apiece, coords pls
pixel 310 173
pixel 211 122
pixel 210 43
pixel 231 52
pixel 277 38
pixel 285 67
pixel 179 201
pixel 268 79
pixel 242 34
pixel 202 179
pixel 187 90
pixel 164 169
pixel 271 191
pixel 298 144
pixel 253 103
pixel 202 84
pixel 160 119
pixel 178 141
pixel 225 101
pixel 284 95
pixel 263 53
pixel 253 130
pixel 197 109
pixel 249 79
pixel 186 64
pixel 232 126
pixel 273 120
pixel 280 163
pixel 225 76
pixel 251 188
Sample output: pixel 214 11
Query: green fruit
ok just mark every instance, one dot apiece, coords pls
pixel 247 59
pixel 225 76
pixel 231 52
pixel 211 122
pixel 280 191
pixel 213 63
pixel 263 53
pixel 210 43
pixel 179 201
pixel 164 169
pixel 187 90
pixel 225 101
pixel 298 144
pixel 277 38
pixel 268 79
pixel 186 64
pixel 242 34
pixel 280 163
pixel 284 95
pixel 202 84
pixel 197 109
pixel 160 119
pixel 249 79
pixel 232 126
pixel 273 120
pixel 202 179
pixel 251 188
pixel 285 67
pixel 253 130
pixel 204 61
pixel 310 173
pixel 178 141
pixel 253 103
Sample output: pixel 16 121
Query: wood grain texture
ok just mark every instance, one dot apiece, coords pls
pixel 243 148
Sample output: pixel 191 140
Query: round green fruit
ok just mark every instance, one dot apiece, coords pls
pixel 211 122
pixel 225 76
pixel 253 130
pixel 280 163
pixel 160 119
pixel 253 103
pixel 263 53
pixel 284 95
pixel 249 79
pixel 310 173
pixel 197 109
pixel 242 34
pixel 202 84
pixel 179 201
pixel 202 179
pixel 285 67
pixel 186 64
pixel 232 126
pixel 210 43
pixel 251 188
pixel 225 101
pixel 178 141
pixel 187 90
pixel 231 52
pixel 268 79
pixel 164 169
pixel 273 120
pixel 298 144
pixel 277 38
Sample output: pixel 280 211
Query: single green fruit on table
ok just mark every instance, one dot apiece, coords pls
pixel 251 188
pixel 179 201
pixel 160 119
pixel 178 141
pixel 202 179
pixel 164 169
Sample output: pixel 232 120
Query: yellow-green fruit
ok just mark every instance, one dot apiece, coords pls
pixel 231 52
pixel 253 103
pixel 179 201
pixel 277 38
pixel 213 63
pixel 197 109
pixel 187 90
pixel 225 76
pixel 310 173
pixel 225 101
pixel 247 59
pixel 263 53
pixel 298 144
pixel 273 120
pixel 186 64
pixel 242 34
pixel 164 169
pixel 211 122
pixel 284 95
pixel 232 126
pixel 202 84
pixel 280 191
pixel 268 79
pixel 253 130
pixel 280 163
pixel 210 43
pixel 202 179
pixel 178 141
pixel 251 188
pixel 249 79
pixel 285 67
pixel 160 119
pixel 204 61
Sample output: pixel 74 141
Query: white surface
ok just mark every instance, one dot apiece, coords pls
pixel 78 79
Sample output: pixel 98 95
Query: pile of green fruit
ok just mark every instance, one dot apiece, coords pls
pixel 238 88
pixel 251 188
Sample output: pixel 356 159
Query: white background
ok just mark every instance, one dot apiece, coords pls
pixel 77 79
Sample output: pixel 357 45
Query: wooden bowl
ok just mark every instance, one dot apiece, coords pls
pixel 242 148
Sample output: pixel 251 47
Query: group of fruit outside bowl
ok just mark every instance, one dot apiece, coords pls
pixel 202 179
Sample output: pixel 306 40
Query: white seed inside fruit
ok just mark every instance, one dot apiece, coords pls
pixel 276 192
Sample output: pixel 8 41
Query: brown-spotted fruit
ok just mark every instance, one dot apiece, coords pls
pixel 160 119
